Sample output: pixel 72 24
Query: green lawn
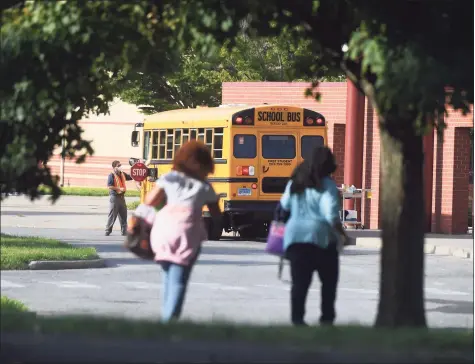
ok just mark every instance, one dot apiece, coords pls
pixel 436 343
pixel 18 251
pixel 349 337
pixel 132 205
pixel 89 191
pixel 8 305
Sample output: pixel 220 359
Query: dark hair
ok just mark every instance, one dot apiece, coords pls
pixel 115 164
pixel 193 151
pixel 310 172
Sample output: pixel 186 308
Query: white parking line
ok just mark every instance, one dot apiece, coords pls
pixel 8 284
pixel 72 284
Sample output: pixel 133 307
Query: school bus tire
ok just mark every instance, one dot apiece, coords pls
pixel 214 232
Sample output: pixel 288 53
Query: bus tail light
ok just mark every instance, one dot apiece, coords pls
pixel 313 118
pixel 245 170
pixel 254 186
pixel 243 117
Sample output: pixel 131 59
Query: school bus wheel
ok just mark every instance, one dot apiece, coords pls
pixel 214 232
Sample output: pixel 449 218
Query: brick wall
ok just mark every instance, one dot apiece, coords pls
pixel 451 175
pixel 339 150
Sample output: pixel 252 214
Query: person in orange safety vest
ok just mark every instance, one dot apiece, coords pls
pixel 116 182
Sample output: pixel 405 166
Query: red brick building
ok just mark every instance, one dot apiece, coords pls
pixel 448 201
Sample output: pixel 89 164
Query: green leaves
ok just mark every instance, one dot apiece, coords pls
pixel 55 61
pixel 197 79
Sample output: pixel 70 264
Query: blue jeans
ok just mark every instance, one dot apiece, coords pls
pixel 175 282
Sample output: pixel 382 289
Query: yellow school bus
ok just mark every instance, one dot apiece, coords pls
pixel 255 151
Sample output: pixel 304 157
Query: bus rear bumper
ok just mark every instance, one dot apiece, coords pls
pixel 259 209
pixel 255 210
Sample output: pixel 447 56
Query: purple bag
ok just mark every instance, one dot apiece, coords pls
pixel 275 239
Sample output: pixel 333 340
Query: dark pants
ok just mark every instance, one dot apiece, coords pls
pixel 118 207
pixel 305 259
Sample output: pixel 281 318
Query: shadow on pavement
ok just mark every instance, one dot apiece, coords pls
pixel 451 306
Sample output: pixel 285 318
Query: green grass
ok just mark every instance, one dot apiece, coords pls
pixel 349 337
pixel 133 205
pixel 18 251
pixel 88 191
pixel 8 305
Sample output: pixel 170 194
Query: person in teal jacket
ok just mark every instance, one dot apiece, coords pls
pixel 312 232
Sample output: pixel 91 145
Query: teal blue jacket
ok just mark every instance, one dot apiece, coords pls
pixel 312 214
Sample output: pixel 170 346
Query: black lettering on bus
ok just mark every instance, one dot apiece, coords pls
pixel 270 116
pixel 293 116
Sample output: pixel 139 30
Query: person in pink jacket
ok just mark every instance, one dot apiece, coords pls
pixel 178 229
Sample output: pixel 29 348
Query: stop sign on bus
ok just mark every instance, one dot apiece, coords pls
pixel 139 172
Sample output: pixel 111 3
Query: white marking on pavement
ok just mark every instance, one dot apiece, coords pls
pixel 72 284
pixel 360 290
pixel 8 284
pixel 220 286
pixel 142 285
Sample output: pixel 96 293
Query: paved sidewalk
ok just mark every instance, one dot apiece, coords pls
pixel 460 246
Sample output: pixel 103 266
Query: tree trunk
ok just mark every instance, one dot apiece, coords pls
pixel 401 300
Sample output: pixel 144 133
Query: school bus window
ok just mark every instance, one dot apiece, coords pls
pixel 186 136
pixel 154 144
pixel 209 139
pixel 169 144
pixel 161 145
pixel 308 142
pixel 177 142
pixel 278 146
pixel 245 146
pixel 201 135
pixel 218 143
pixel 193 134
pixel 146 144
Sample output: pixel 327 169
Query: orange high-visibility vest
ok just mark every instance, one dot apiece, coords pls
pixel 120 181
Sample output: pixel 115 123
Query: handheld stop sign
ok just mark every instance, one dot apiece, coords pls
pixel 139 172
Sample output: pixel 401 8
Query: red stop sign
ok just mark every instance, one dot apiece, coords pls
pixel 138 172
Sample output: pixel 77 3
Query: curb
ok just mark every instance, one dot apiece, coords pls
pixel 66 264
pixel 428 248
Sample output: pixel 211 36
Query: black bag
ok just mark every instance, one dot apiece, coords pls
pixel 137 239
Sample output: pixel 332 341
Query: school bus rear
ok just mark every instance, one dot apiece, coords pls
pixel 255 151
pixel 267 143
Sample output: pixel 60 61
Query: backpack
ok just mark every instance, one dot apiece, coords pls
pixel 139 227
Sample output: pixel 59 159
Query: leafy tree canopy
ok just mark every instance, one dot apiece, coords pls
pixel 57 59
pixel 197 79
